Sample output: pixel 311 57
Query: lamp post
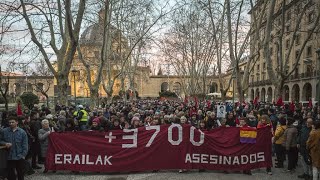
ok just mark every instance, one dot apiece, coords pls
pixel 74 73
pixel 318 76
pixel 233 77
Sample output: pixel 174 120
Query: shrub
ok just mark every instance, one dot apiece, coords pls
pixel 168 94
pixel 29 99
pixel 2 100
pixel 122 93
pixel 116 97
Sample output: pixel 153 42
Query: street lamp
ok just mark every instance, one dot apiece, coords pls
pixel 233 78
pixel 318 74
pixel 74 73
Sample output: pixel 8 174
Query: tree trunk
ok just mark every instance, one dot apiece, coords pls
pixel 278 90
pixel 239 89
pixel 47 99
pixel 62 84
pixel 6 103
pixel 94 97
pixel 223 94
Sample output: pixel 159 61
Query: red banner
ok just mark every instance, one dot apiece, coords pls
pixel 156 148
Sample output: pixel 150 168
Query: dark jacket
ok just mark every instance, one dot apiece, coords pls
pixel 274 120
pixel 303 135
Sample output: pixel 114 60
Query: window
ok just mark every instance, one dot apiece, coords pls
pixel 258 68
pixel 264 66
pixel 288 28
pixel 309 51
pixel 96 54
pixel 296 72
pixel 288 15
pixel 271 51
pixel 310 17
pixel 298 39
pixel 310 34
pixel 287 43
pixel 279 21
pixel 299 26
pixel 309 71
pixel 298 7
pixel 258 78
pixel 297 54
pixel 263 76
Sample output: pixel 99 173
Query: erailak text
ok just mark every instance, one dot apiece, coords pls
pixel 84 159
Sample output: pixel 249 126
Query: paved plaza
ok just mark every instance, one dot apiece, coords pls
pixel 259 174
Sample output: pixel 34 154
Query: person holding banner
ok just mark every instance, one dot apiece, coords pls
pixel 43 135
pixel 264 122
pixel 244 124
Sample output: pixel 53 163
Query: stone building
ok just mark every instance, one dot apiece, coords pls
pixel 302 83
pixel 146 84
pixel 19 83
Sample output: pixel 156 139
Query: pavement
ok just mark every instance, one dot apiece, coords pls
pixel 258 174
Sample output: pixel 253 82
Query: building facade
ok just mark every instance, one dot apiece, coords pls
pixel 146 84
pixel 20 83
pixel 303 83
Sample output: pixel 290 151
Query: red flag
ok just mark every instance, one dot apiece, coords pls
pixel 208 104
pixel 292 106
pixel 255 101
pixel 196 101
pixel 186 100
pixel 310 103
pixel 19 110
pixel 280 101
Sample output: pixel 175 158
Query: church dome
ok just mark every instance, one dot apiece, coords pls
pixel 92 35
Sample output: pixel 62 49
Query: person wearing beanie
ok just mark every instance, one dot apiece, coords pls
pixel 96 125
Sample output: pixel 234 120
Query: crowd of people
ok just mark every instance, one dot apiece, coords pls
pixel 296 130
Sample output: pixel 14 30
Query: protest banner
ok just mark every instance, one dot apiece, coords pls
pixel 158 147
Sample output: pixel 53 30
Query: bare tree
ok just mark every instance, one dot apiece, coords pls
pixel 120 33
pixel 55 25
pixel 279 71
pixel 41 80
pixel 4 87
pixel 189 48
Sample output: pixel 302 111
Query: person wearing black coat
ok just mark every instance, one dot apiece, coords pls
pixel 302 146
pixel 35 125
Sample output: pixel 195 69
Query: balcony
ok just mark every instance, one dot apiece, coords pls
pixel 306 75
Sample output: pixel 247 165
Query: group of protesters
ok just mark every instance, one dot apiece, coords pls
pixel 295 130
